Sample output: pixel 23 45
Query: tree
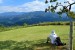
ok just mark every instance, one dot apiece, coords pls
pixel 64 9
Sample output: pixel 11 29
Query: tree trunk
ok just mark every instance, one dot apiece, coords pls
pixel 70 36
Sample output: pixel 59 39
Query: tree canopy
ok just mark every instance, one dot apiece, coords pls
pixel 64 8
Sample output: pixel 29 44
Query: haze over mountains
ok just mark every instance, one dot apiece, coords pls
pixel 19 18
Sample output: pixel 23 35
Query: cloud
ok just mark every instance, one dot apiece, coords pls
pixel 71 1
pixel 27 7
pixel 36 5
pixel 73 6
pixel 9 9
pixel 65 4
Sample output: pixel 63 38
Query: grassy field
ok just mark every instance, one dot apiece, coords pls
pixel 33 38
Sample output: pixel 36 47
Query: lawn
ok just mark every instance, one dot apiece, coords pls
pixel 33 38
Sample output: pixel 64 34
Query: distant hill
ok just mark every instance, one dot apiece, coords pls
pixel 19 18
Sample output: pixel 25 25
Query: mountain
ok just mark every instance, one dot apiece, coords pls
pixel 19 18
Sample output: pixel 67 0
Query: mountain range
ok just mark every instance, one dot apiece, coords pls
pixel 19 18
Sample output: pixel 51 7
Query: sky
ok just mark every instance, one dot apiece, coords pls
pixel 26 5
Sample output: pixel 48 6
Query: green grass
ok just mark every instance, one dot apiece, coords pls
pixel 34 36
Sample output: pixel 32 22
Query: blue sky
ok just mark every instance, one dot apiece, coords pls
pixel 25 5
pixel 14 2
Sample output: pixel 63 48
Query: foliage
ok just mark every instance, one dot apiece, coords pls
pixel 51 23
pixel 71 14
pixel 4 28
pixel 25 25
pixel 65 9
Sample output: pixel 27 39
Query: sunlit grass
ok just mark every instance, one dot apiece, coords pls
pixel 36 34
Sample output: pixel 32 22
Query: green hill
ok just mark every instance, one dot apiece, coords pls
pixel 34 35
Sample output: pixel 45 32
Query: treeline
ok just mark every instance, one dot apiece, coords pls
pixel 52 23
pixel 6 28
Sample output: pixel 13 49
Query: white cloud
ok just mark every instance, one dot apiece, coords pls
pixel 71 1
pixel 65 4
pixel 36 5
pixel 9 9
pixel 27 7
pixel 73 6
